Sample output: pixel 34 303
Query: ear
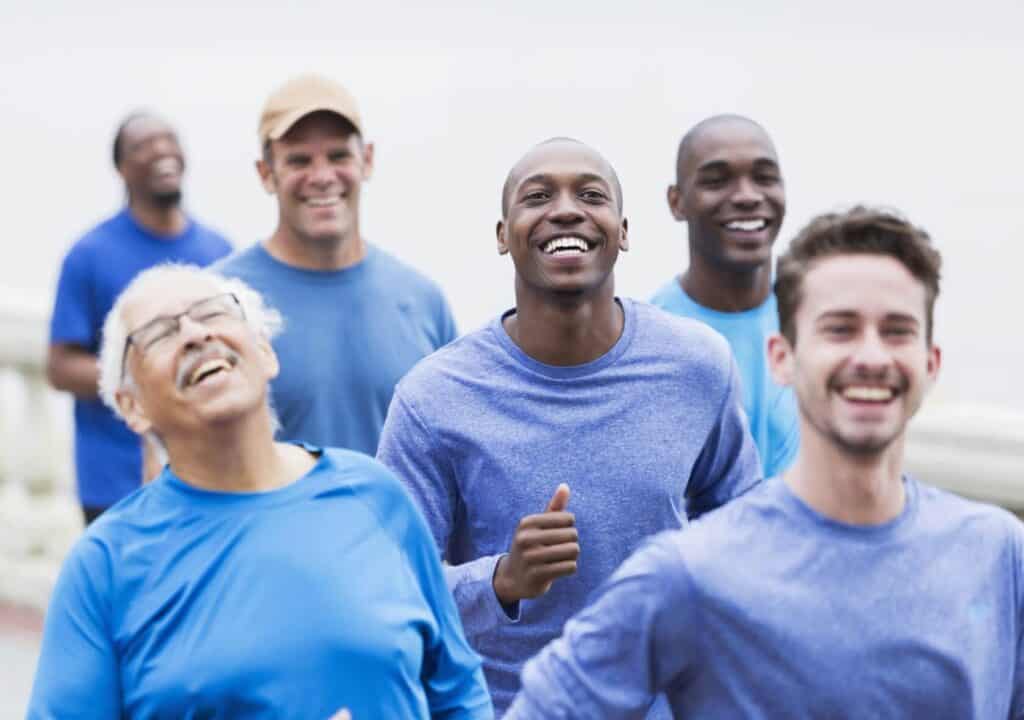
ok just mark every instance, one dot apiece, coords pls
pixel 675 202
pixel 132 411
pixel 934 363
pixel 502 242
pixel 780 359
pixel 267 178
pixel 268 358
pixel 367 161
pixel 624 236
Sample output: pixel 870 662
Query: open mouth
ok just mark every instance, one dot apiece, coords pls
pixel 207 370
pixel 323 202
pixel 567 245
pixel 747 225
pixel 873 394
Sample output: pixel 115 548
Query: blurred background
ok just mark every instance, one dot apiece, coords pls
pixel 914 105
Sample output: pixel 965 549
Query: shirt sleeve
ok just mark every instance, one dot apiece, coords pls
pixel 78 674
pixel 728 465
pixel 75 318
pixel 783 447
pixel 453 677
pixel 413 453
pixel 631 643
pixel 447 331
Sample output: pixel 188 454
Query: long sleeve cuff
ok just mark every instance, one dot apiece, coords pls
pixel 472 586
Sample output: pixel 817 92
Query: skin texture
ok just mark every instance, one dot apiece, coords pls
pixel 152 165
pixel 218 433
pixel 727 169
pixel 320 159
pixel 566 314
pixel 861 323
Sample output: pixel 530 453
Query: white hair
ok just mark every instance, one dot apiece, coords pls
pixel 261 317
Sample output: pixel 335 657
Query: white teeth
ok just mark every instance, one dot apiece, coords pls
pixel 747 225
pixel 566 243
pixel 870 394
pixel 322 202
pixel 208 367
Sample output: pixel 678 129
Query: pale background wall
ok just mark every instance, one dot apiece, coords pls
pixel 911 104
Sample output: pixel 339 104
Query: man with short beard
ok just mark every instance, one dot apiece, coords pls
pixel 151 229
pixel 845 588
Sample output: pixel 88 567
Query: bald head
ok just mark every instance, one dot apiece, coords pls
pixel 519 170
pixel 694 134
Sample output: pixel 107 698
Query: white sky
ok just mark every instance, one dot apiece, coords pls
pixel 907 104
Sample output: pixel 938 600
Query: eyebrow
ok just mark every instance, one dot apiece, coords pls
pixel 723 166
pixel 854 315
pixel 580 179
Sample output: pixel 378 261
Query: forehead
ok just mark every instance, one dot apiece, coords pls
pixel 317 126
pixel 143 128
pixel 562 160
pixel 872 286
pixel 166 296
pixel 729 141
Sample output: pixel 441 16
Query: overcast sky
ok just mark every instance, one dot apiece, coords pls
pixel 907 104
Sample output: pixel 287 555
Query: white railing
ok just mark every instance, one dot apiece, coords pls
pixel 974 451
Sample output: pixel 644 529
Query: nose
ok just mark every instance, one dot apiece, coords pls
pixel 748 195
pixel 871 353
pixel 193 332
pixel 565 210
pixel 321 173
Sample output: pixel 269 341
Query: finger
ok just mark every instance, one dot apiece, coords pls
pixel 559 500
pixel 531 538
pixel 547 520
pixel 544 574
pixel 552 554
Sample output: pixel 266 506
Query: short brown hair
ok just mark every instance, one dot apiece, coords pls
pixel 859 231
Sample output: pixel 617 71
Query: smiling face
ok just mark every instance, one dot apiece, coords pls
pixel 861 362
pixel 213 370
pixel 729 190
pixel 151 160
pixel 317 170
pixel 563 224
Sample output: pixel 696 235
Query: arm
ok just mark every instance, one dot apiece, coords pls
pixel 73 369
pixel 78 674
pixel 632 642
pixel 728 465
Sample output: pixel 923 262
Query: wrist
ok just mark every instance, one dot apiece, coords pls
pixel 500 583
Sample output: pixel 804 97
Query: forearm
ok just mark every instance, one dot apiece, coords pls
pixel 73 370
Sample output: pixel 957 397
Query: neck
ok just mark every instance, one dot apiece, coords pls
pixel 853 489
pixel 726 290
pixel 237 457
pixel 158 219
pixel 570 332
pixel 314 253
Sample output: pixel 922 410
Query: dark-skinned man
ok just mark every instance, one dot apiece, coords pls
pixel 152 229
pixel 545 446
pixel 730 193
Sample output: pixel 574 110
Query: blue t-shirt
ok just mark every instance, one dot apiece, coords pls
pixel 767 609
pixel 327 593
pixel 646 435
pixel 771 409
pixel 108 456
pixel 349 337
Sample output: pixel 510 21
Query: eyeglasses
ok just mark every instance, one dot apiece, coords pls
pixel 209 311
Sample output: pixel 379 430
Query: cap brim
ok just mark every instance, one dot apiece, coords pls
pixel 285 122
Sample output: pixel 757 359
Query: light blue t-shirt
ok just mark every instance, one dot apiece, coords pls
pixel 771 409
pixel 767 609
pixel 293 603
pixel 350 335
pixel 108 455
pixel 646 435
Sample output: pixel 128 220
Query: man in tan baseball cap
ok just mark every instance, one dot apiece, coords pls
pixel 356 319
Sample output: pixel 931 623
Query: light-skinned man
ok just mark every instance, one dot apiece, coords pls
pixel 252 578
pixel 844 589
pixel 152 228
pixel 730 193
pixel 544 447
pixel 356 318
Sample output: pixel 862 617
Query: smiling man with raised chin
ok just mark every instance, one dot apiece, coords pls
pixel 545 446
pixel 357 317
pixel 730 193
pixel 844 588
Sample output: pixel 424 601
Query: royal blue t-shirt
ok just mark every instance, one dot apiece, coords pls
pixel 768 609
pixel 647 436
pixel 349 336
pixel 293 603
pixel 771 408
pixel 108 456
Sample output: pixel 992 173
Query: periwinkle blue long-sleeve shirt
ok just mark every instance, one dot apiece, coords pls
pixel 766 609
pixel 646 435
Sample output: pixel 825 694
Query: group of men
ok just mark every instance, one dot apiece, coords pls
pixel 590 468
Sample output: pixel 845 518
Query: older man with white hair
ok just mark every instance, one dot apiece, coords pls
pixel 251 578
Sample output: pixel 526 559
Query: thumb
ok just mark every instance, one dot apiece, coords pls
pixel 560 500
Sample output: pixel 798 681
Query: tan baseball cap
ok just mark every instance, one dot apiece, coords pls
pixel 301 96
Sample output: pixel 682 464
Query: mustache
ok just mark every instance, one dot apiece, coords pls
pixel 887 377
pixel 196 357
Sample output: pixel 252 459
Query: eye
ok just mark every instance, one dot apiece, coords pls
pixel 536 196
pixel 593 196
pixel 713 182
pixel 296 161
pixel 339 156
pixel 766 178
pixel 900 332
pixel 157 334
pixel 211 314
pixel 839 330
